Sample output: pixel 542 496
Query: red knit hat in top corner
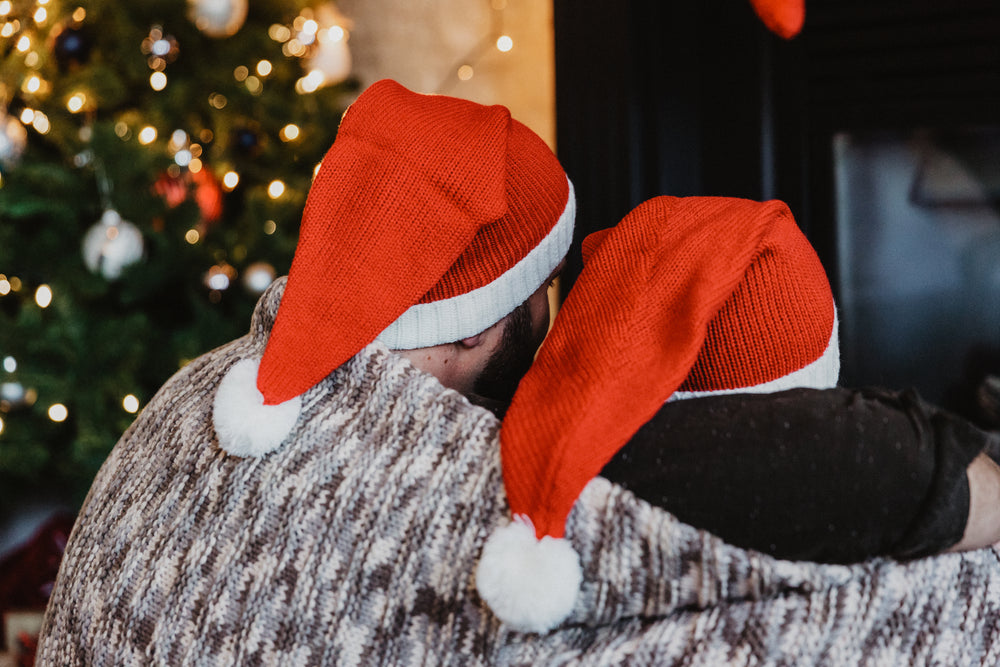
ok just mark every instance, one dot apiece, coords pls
pixel 705 293
pixel 429 220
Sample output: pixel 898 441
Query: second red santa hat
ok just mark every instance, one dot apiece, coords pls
pixel 698 294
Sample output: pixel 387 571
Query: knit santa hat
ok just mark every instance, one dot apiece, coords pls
pixel 699 294
pixel 429 220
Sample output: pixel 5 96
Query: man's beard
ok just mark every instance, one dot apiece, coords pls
pixel 508 364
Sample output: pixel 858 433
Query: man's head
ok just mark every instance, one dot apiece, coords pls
pixel 430 220
pixel 489 365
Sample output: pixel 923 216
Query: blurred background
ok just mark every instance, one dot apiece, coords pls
pixel 155 157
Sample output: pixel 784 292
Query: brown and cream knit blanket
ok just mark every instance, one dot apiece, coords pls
pixel 355 543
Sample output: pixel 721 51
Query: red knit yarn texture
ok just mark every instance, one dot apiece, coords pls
pixel 408 183
pixel 536 191
pixel 629 333
pixel 778 320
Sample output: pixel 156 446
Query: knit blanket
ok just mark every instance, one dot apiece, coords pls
pixel 355 543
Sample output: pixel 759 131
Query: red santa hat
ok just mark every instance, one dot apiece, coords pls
pixel 430 219
pixel 700 295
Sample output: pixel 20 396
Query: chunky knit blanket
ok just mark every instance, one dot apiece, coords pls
pixel 355 543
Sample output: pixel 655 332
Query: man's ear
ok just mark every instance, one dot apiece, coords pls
pixel 471 341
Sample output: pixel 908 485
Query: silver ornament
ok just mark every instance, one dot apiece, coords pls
pixel 111 245
pixel 218 18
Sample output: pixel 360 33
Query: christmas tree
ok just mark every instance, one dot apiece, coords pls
pixel 154 161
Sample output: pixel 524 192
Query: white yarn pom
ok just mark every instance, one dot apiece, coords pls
pixel 243 424
pixel 530 584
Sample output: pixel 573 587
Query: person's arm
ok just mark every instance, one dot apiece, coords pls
pixel 983 525
pixel 828 475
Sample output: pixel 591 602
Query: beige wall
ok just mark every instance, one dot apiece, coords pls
pixel 421 44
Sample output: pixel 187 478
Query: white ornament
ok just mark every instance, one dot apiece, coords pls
pixel 218 18
pixel 13 139
pixel 111 245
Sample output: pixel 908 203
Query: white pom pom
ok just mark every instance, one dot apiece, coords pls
pixel 243 424
pixel 530 584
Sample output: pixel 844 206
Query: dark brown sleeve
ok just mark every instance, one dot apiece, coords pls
pixel 827 475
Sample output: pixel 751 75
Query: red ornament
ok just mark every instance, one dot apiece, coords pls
pixel 208 195
pixel 782 17
pixel 173 189
pixel 202 185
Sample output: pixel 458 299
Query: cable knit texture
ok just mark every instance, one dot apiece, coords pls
pixel 355 543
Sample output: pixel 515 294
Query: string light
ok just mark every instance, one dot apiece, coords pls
pixel 43 296
pixel 32 84
pixel 4 286
pixel 178 140
pixel 40 15
pixel 131 404
pixel 158 81
pixel 5 7
pixel 24 44
pixel 264 67
pixel 9 364
pixel 465 68
pixel 319 36
pixel 279 33
pixel 58 412
pixel 192 236
pixel 1 425
pixel 230 180
pixel 289 132
pixel 40 122
pixel 217 278
pixel 147 135
pixel 270 227
pixel 79 14
pixel 311 82
pixel 276 189
pixel 76 103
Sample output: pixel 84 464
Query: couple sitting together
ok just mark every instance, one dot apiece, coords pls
pixel 677 478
